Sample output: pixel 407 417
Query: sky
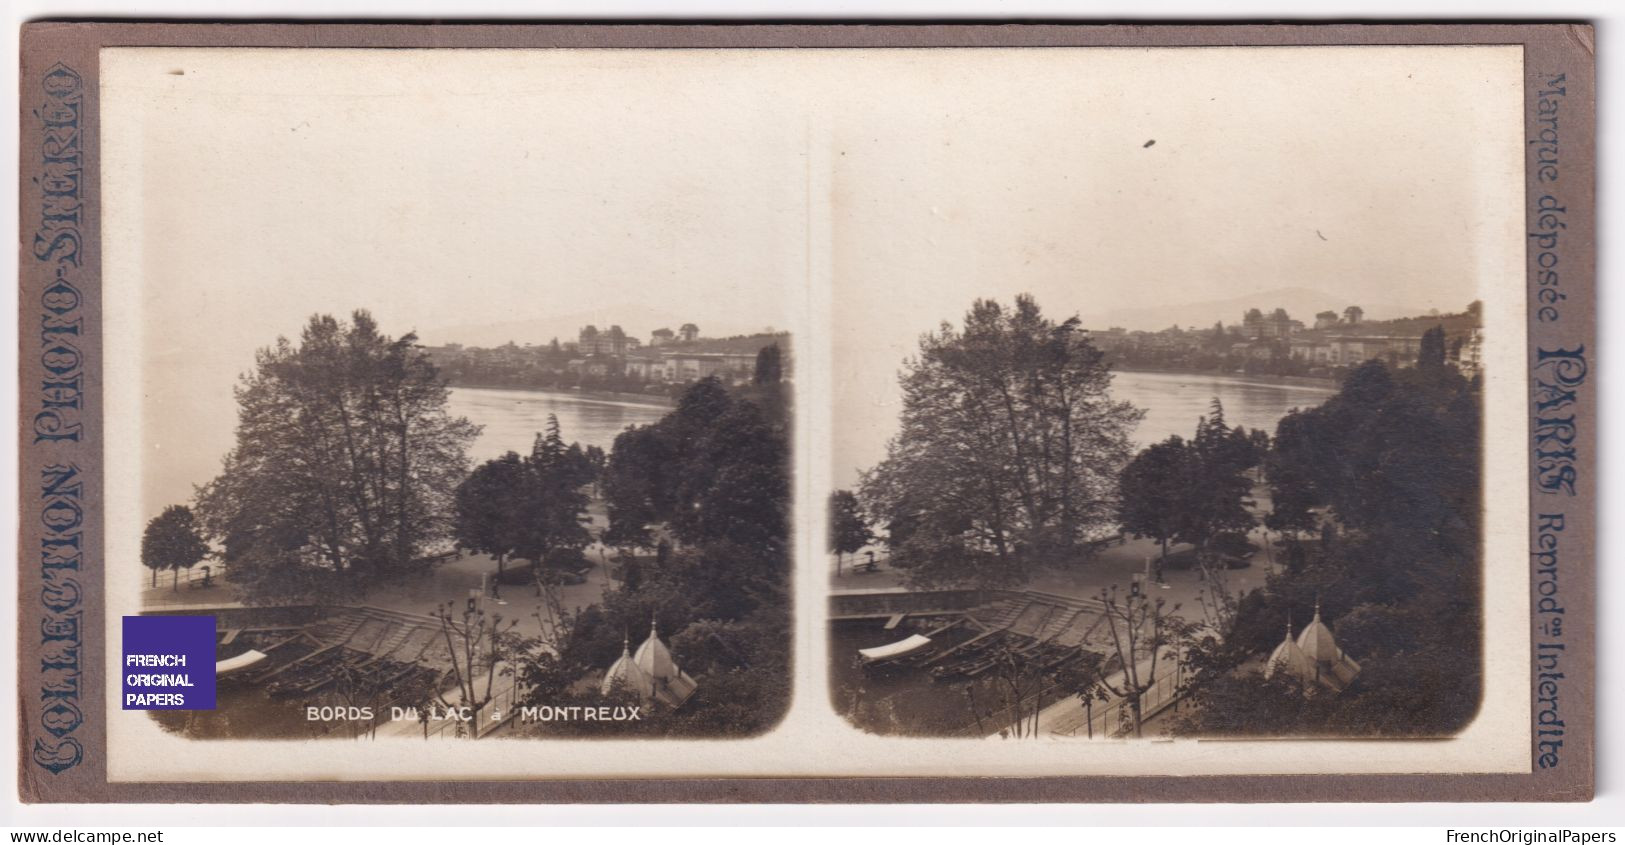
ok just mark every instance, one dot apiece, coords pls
pixel 450 190
pixel 1107 181
pixel 247 190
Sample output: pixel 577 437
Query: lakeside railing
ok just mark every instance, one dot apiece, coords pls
pixel 1115 718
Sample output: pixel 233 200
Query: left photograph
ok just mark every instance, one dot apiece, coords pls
pixel 464 408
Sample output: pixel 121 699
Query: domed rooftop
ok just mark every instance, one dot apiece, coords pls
pixel 654 658
pixel 1313 658
pixel 1332 668
pixel 626 674
pixel 651 672
pixel 1289 657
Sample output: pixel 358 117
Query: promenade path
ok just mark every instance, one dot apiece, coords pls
pixel 452 581
pixel 417 594
pixel 420 594
pixel 1116 565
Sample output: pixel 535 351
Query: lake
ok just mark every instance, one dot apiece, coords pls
pixel 512 418
pixel 1172 403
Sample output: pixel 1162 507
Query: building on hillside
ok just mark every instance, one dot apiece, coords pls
pixel 661 337
pixel 1349 350
pixel 1110 340
pixel 1257 325
pixel 651 673
pixel 1313 658
pixel 611 341
pixel 730 367
pixel 645 367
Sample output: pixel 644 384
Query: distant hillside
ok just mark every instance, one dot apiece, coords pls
pixel 750 343
pixel 1300 303
pixel 636 320
pixel 1453 324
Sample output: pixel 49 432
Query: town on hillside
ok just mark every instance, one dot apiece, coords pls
pixel 1278 344
pixel 611 359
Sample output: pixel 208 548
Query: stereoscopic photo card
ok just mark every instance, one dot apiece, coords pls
pixel 502 413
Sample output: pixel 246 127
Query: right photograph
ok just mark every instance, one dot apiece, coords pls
pixel 1158 402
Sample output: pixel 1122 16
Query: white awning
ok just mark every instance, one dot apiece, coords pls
pixel 897 649
pixel 242 661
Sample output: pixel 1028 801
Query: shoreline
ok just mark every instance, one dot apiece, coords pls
pixel 1296 381
pixel 649 399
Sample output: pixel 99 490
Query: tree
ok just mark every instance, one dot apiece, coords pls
pixel 848 530
pixel 638 484
pixel 1154 486
pixel 1292 491
pixel 769 365
pixel 488 508
pixel 476 643
pixel 172 542
pixel 1217 505
pixel 1431 353
pixel 1393 458
pixel 1140 632
pixel 712 470
pixel 551 513
pixel 344 466
pixel 1009 451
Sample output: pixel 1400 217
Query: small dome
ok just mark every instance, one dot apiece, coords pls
pixel 1317 640
pixel 654 658
pixel 626 674
pixel 651 672
pixel 1315 658
pixel 1289 658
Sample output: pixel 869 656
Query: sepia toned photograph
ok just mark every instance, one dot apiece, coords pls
pixel 818 417
pixel 1168 421
pixel 442 457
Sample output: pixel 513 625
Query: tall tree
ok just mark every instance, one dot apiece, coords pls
pixel 1009 451
pixel 769 365
pixel 488 508
pixel 1431 353
pixel 848 529
pixel 1292 490
pixel 1154 487
pixel 172 542
pixel 1217 505
pixel 638 484
pixel 345 462
pixel 551 510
